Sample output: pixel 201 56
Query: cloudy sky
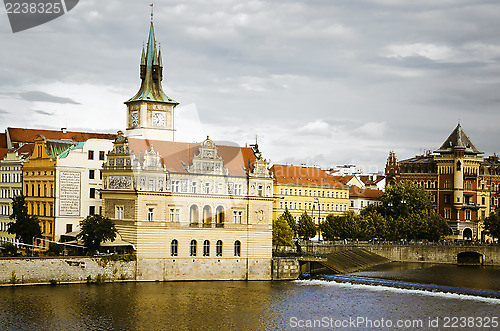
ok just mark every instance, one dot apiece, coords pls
pixel 319 82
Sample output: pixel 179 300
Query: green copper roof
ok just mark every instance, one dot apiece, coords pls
pixel 151 89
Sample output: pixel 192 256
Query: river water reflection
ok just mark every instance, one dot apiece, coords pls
pixel 243 305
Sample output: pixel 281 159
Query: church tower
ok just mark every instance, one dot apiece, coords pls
pixel 150 113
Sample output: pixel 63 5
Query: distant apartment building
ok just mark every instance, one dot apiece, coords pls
pixel 308 189
pixel 464 186
pixel 360 198
pixel 11 162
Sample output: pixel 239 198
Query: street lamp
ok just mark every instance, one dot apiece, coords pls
pixel 316 201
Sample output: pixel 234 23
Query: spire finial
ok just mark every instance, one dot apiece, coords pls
pixel 152 12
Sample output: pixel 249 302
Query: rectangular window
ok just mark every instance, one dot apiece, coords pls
pixel 91 210
pixel 101 155
pixel 237 189
pixel 237 217
pixel 207 188
pixel 260 190
pixel 193 187
pixel 151 185
pixel 91 174
pixel 92 193
pixel 119 212
pixel 175 186
pixel 91 155
pixel 151 214
pixel 69 228
pixel 447 198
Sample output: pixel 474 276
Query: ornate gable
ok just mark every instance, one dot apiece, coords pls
pixel 207 161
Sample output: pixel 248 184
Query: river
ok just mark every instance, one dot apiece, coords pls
pixel 287 305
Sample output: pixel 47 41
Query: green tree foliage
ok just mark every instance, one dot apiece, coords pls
pixel 8 249
pixel 291 221
pixel 55 249
pixel 492 225
pixel 282 234
pixel 95 229
pixel 371 224
pixel 403 199
pixel 24 226
pixel 340 227
pixel 306 227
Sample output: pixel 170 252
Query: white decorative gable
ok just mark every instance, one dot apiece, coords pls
pixel 207 161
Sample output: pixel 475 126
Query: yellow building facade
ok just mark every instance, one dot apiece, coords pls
pixel 308 189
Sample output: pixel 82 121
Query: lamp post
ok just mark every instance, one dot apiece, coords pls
pixel 316 201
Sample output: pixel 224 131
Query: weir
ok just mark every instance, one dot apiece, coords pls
pixel 344 261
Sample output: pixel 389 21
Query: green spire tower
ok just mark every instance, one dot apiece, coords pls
pixel 150 113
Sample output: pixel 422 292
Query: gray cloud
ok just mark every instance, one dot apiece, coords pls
pixel 43 112
pixel 45 97
pixel 3 111
pixel 415 66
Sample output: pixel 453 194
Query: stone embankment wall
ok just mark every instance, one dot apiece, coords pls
pixel 71 270
pixel 410 253
pixel 284 268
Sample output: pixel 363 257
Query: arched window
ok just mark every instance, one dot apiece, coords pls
pixel 237 248
pixel 219 217
pixel 192 248
pixel 173 247
pixel 218 248
pixel 207 216
pixel 193 215
pixel 206 248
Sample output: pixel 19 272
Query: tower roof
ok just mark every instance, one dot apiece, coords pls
pixel 151 74
pixel 458 139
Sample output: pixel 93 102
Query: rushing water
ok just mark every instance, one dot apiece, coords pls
pixel 259 305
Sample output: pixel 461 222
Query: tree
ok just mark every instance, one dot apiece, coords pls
pixel 492 225
pixel 291 221
pixel 342 227
pixel 403 199
pixel 95 229
pixel 306 228
pixel 8 249
pixel 24 226
pixel 282 234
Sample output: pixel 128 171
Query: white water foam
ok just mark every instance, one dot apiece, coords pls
pixel 378 288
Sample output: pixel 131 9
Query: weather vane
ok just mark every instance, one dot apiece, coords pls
pixel 151 5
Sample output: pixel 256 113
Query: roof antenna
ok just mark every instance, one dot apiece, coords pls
pixel 152 13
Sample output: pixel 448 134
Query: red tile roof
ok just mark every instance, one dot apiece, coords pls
pixel 28 135
pixel 176 156
pixel 368 179
pixel 355 191
pixel 3 151
pixel 299 175
pixel 3 140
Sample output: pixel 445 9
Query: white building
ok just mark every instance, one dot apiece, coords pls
pixel 78 183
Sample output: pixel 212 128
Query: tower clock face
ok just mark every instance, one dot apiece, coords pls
pixel 135 118
pixel 158 119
